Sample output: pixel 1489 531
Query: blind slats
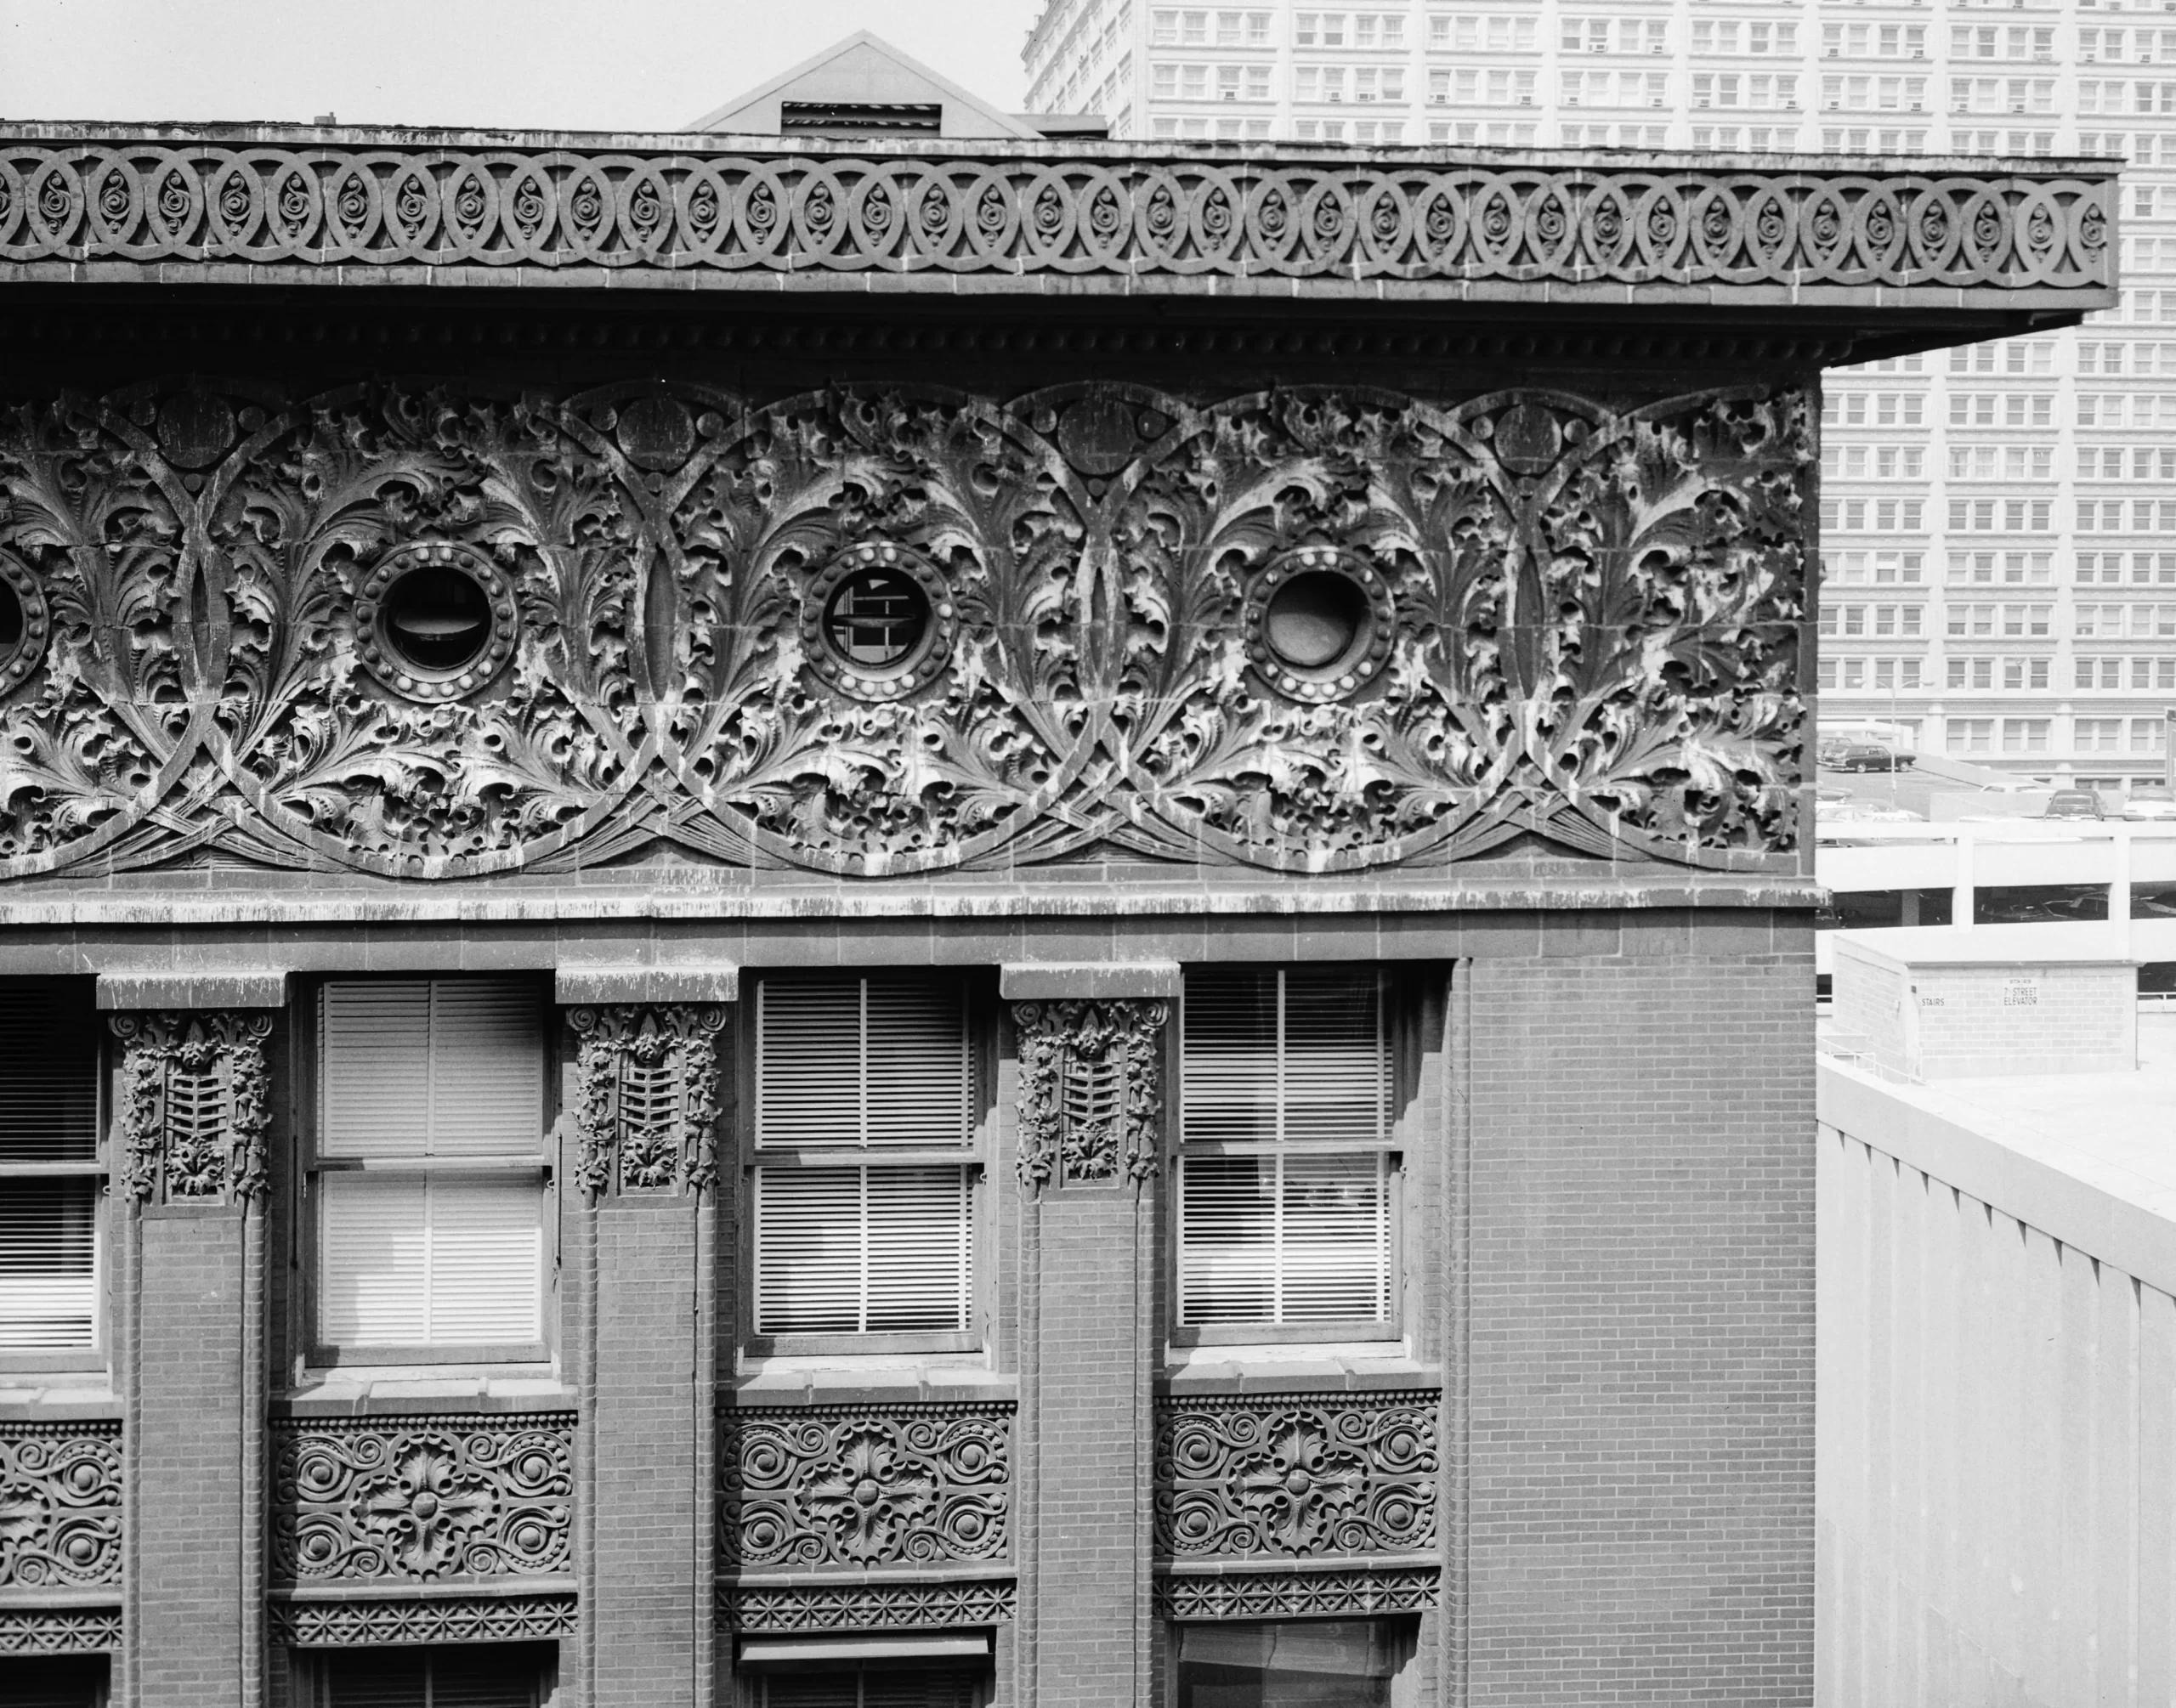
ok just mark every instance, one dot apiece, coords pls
pixel 509 1678
pixel 430 1067
pixel 48 1071
pixel 447 1259
pixel 1267 1058
pixel 861 1062
pixel 49 1265
pixel 862 1250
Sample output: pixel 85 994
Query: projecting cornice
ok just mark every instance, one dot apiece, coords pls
pixel 286 205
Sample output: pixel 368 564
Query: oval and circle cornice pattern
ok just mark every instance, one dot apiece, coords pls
pixel 429 632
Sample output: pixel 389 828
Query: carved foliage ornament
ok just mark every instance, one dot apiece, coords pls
pixel 1301 1475
pixel 386 205
pixel 423 1499
pixel 649 1098
pixel 436 634
pixel 850 1487
pixel 193 1109
pixel 1091 1102
pixel 60 1505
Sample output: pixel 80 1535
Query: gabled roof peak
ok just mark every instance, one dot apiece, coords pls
pixel 863 85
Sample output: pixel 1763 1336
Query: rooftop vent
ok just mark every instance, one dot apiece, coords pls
pixel 860 119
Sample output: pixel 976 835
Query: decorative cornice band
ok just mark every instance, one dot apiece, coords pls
pixel 60 1631
pixel 450 1618
pixel 1341 1592
pixel 782 1608
pixel 1031 217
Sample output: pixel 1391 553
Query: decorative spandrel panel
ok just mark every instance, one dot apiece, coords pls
pixel 858 1489
pixel 395 1503
pixel 1297 1476
pixel 433 634
pixel 60 1490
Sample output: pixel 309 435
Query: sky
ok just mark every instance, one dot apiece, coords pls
pixel 557 64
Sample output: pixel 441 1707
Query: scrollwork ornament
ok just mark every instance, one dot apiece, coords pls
pixel 854 1487
pixel 1091 1096
pixel 423 1499
pixel 1302 1476
pixel 195 1105
pixel 60 1490
pixel 647 1097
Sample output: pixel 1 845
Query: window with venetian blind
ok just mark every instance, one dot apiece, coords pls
pixel 51 1170
pixel 863 1185
pixel 1284 1179
pixel 430 1162
pixel 508 1675
pixel 877 1686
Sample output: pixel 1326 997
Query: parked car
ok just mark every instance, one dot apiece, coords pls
pixel 1830 754
pixel 1870 756
pixel 2073 803
pixel 1862 812
pixel 2150 800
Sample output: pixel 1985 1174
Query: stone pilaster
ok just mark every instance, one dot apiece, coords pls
pixel 1091 1045
pixel 646 1117
pixel 191 1129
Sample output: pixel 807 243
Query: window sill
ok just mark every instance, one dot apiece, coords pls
pixel 384 1389
pixel 1352 1365
pixel 58 1396
pixel 846 1378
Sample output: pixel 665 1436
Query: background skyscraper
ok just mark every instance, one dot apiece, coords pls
pixel 1999 523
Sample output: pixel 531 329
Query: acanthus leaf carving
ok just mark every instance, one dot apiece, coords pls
pixel 646 1108
pixel 1308 630
pixel 1090 1089
pixel 195 1104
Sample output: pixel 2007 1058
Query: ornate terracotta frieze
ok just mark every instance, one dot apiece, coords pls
pixel 414 1619
pixel 426 634
pixel 851 1488
pixel 1090 1090
pixel 405 1501
pixel 1305 1476
pixel 194 1109
pixel 60 1631
pixel 647 1091
pixel 1347 1592
pixel 60 1488
pixel 348 207
pixel 943 1605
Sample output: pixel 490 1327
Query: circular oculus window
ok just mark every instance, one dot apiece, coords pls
pixel 878 622
pixel 25 623
pixel 437 621
pixel 1319 622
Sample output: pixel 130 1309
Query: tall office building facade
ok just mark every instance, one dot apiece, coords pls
pixel 1999 522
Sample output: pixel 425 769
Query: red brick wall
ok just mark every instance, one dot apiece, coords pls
pixel 1641 1474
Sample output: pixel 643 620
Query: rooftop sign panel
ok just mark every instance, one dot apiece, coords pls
pixel 1038 218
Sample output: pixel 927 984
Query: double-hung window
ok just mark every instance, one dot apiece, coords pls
pixel 431 1167
pixel 51 1172
pixel 864 1174
pixel 1285 1177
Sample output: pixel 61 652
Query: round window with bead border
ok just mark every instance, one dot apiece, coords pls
pixel 1319 621
pixel 879 622
pixel 25 623
pixel 436 621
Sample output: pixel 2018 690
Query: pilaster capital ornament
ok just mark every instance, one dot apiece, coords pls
pixel 195 1104
pixel 646 1106
pixel 1090 1090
